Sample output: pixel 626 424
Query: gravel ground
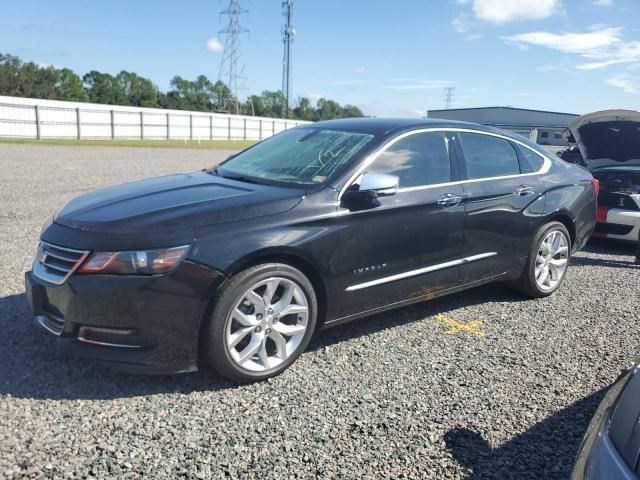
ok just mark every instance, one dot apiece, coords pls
pixel 390 396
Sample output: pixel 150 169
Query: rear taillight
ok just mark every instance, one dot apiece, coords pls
pixel 596 187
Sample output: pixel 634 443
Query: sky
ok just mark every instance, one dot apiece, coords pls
pixel 390 58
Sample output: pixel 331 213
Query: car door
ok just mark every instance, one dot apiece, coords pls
pixel 401 246
pixel 499 187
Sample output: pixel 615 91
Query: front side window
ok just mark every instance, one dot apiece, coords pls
pixel 418 159
pixel 486 156
pixel 302 156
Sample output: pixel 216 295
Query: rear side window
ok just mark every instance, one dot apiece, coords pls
pixel 487 156
pixel 529 161
pixel 417 160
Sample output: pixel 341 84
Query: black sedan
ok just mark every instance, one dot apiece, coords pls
pixel 236 267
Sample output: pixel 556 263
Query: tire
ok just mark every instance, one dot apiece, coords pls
pixel 529 282
pixel 248 338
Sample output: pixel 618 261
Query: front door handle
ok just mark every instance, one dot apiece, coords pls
pixel 524 190
pixel 449 200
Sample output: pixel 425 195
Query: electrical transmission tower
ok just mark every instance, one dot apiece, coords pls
pixel 288 32
pixel 448 96
pixel 231 67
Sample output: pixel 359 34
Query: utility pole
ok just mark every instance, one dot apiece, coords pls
pixel 231 67
pixel 288 32
pixel 448 97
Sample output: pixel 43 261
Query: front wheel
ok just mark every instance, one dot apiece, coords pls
pixel 548 260
pixel 262 322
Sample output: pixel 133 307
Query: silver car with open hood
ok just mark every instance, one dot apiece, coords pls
pixel 610 144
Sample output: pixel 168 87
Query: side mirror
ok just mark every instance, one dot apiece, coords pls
pixel 374 185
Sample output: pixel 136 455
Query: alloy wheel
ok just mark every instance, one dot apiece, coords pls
pixel 552 259
pixel 267 324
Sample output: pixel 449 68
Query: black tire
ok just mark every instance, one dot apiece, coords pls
pixel 216 352
pixel 527 282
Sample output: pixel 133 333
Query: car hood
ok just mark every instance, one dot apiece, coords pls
pixel 181 201
pixel 610 137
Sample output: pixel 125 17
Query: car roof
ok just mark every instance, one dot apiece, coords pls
pixel 388 126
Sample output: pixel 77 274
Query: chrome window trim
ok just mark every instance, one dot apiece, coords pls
pixel 420 271
pixel 546 165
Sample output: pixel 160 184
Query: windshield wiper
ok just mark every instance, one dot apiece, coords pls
pixel 239 178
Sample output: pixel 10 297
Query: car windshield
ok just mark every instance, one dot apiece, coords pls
pixel 302 156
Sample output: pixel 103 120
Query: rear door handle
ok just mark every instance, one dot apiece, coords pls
pixel 449 200
pixel 524 190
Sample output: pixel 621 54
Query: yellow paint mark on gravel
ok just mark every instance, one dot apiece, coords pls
pixel 456 327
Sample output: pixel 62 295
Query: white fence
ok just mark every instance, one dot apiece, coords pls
pixel 41 119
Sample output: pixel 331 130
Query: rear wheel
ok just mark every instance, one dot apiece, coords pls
pixel 262 322
pixel 548 260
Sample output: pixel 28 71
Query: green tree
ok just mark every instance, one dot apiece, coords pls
pixel 128 88
pixel 104 88
pixel 303 109
pixel 139 91
pixel 69 87
pixel 328 109
pixel 9 75
pixel 351 111
pixel 271 104
pixel 220 95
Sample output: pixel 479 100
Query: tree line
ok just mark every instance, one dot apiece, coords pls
pixel 27 79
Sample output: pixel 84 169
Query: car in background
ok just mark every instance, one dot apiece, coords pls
pixel 572 155
pixel 610 145
pixel 610 449
pixel 236 266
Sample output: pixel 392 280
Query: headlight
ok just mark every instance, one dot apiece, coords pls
pixel 144 262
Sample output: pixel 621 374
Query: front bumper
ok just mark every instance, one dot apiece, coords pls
pixel 146 324
pixel 619 224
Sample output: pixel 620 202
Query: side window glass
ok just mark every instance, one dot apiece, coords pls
pixel 486 156
pixel 417 160
pixel 529 161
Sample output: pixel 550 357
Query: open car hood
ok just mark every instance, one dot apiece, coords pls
pixel 610 137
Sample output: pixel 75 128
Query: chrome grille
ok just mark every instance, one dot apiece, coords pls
pixel 54 264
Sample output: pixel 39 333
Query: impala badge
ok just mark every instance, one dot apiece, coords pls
pixel 371 268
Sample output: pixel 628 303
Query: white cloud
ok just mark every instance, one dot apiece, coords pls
pixel 598 48
pixel 359 69
pixel 460 23
pixel 214 45
pixel 624 82
pixel 505 11
pixel 603 3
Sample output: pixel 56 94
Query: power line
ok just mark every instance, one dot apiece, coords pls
pixel 449 93
pixel 231 66
pixel 288 32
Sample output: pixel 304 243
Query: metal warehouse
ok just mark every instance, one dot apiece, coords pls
pixel 545 128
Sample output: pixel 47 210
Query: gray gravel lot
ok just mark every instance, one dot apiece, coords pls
pixel 390 396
